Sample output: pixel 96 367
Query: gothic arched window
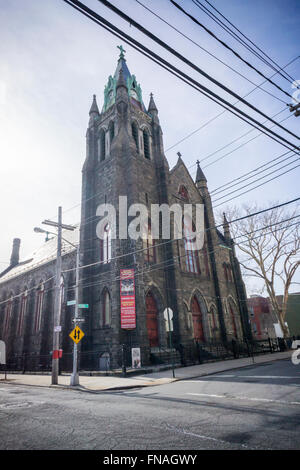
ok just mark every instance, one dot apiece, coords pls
pixel 135 134
pixel 39 307
pixel 106 245
pixel 191 252
pixel 183 192
pixel 111 131
pixel 101 145
pixel 146 141
pixel 106 308
pixel 7 316
pixel 148 244
pixel 22 313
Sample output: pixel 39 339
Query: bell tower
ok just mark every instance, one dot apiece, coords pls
pixel 124 158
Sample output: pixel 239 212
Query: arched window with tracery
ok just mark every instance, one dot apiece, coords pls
pixel 101 145
pixel 39 307
pixel 7 316
pixel 135 134
pixel 232 311
pixel 148 243
pixel 106 308
pixel 111 131
pixel 146 142
pixel 22 314
pixel 183 192
pixel 105 252
pixel 191 252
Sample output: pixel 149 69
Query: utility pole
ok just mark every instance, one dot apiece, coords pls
pixel 57 300
pixel 296 108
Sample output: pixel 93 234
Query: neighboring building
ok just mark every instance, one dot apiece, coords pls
pixel 204 289
pixel 263 318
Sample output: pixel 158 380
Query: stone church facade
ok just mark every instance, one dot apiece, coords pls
pixel 203 288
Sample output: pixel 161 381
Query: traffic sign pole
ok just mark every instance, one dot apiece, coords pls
pixel 75 376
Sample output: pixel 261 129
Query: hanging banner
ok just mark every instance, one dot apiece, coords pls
pixel 127 296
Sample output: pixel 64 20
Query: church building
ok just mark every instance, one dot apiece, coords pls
pixel 203 289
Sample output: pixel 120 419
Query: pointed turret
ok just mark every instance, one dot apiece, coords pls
pixel 94 108
pixel 226 227
pixel 152 106
pixel 94 111
pixel 200 177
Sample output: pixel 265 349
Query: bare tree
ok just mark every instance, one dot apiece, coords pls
pixel 269 249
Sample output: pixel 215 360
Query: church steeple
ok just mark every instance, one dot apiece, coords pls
pixel 133 88
pixel 200 177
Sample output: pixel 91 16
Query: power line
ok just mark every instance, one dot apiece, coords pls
pixel 255 45
pixel 275 177
pixel 222 112
pixel 117 32
pixel 234 35
pixel 249 184
pixel 205 230
pixel 132 22
pixel 234 150
pixel 145 271
pixel 228 47
pixel 205 50
pixel 215 191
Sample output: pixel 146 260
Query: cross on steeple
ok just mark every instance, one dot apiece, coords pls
pixel 121 52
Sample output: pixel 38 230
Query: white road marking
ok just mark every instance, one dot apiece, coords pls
pixel 245 398
pixel 208 438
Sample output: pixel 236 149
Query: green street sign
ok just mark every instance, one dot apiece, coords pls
pixel 83 305
pixel 71 302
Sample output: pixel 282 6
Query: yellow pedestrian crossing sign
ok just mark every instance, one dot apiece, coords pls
pixel 77 334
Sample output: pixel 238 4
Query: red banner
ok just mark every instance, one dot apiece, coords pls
pixel 127 296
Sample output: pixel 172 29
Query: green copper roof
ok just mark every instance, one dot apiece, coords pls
pixel 134 89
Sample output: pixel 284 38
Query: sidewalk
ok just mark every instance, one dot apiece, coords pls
pixel 157 378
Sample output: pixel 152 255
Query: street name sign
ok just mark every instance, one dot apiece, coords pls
pixel 83 305
pixel 71 302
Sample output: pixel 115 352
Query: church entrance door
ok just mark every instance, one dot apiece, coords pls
pixel 197 320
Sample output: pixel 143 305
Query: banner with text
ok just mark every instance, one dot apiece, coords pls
pixel 127 295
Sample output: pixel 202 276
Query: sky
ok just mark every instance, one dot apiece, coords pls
pixel 53 59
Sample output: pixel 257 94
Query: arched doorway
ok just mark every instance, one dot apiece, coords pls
pixel 152 320
pixel 197 320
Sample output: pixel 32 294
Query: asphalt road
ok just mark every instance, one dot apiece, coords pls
pixel 257 407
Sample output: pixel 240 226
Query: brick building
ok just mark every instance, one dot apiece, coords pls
pixel 204 288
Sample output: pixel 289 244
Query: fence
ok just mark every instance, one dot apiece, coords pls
pixel 119 359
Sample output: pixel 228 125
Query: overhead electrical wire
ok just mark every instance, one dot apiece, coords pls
pixel 288 77
pixel 222 112
pixel 170 49
pixel 171 68
pixel 258 179
pixel 241 41
pixel 228 47
pixel 251 189
pixel 209 53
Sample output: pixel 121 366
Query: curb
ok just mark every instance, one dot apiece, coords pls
pixel 81 388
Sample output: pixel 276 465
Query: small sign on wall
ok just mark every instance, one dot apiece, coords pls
pixel 2 353
pixel 136 358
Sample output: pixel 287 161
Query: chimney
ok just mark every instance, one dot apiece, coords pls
pixel 14 259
